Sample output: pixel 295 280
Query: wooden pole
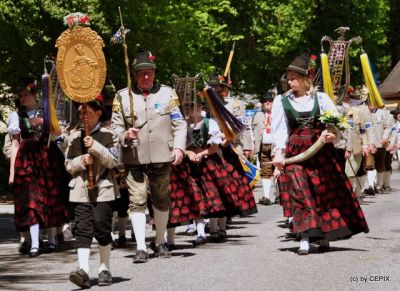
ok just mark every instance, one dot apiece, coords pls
pixel 87 133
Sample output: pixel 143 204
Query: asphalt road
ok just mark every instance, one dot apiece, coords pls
pixel 259 255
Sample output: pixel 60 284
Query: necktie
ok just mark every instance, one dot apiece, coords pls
pixel 268 123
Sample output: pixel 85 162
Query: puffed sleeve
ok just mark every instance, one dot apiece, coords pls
pixel 13 124
pixel 214 133
pixel 279 124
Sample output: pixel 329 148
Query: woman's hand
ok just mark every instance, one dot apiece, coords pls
pixel 278 161
pixel 191 155
pixel 276 173
pixel 36 121
pixel 327 137
pixel 198 157
pixel 88 141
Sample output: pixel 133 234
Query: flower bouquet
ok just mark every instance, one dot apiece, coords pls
pixel 335 118
pixel 76 19
pixel 332 120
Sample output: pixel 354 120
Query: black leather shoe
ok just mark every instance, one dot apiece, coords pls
pixel 222 235
pixel 199 241
pixel 140 257
pixel 24 247
pixel 60 238
pixel 51 248
pixel 80 278
pixel 105 278
pixel 34 252
pixel 162 251
pixel 171 247
pixel 214 237
pixel 264 201
pixel 369 191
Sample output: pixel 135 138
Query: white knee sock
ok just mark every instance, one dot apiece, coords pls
pixel 304 245
pixel 51 235
pixel 34 232
pixel 386 178
pixel 379 179
pixel 122 225
pixel 138 220
pixel 371 179
pixel 213 225
pixel 222 223
pixel 104 252
pixel 83 259
pixel 266 183
pixel 171 235
pixel 200 228
pixel 161 221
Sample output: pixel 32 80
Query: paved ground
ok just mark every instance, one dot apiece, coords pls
pixel 259 255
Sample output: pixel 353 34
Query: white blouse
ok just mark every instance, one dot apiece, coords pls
pixel 279 124
pixel 213 131
pixel 13 122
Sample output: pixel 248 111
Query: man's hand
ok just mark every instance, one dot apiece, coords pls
pixel 347 154
pixel 131 133
pixel 177 155
pixel 88 141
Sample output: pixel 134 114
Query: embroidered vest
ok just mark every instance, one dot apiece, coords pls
pixel 297 119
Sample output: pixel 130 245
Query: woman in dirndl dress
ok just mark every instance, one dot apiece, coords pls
pixel 204 185
pixel 37 172
pixel 315 192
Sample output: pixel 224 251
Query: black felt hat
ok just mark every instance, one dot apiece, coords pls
pixel 144 60
pixel 27 84
pixel 217 79
pixel 269 96
pixel 300 64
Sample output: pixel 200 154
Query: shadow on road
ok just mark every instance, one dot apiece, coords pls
pixel 314 250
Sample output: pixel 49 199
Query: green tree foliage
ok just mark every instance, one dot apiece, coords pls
pixel 192 36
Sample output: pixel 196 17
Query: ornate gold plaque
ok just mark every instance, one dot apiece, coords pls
pixel 81 65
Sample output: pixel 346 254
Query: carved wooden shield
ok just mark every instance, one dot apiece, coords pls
pixel 81 65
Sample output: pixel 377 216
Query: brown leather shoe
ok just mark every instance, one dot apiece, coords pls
pixel 140 257
pixel 80 278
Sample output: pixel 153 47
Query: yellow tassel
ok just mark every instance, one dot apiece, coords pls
pixel 54 123
pixel 374 96
pixel 326 77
